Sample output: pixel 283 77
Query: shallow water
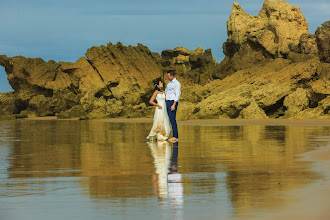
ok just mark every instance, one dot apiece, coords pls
pixel 99 170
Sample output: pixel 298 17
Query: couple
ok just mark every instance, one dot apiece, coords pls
pixel 167 105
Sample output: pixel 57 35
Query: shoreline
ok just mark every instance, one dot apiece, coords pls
pixel 208 122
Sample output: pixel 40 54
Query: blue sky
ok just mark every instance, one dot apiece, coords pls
pixel 62 30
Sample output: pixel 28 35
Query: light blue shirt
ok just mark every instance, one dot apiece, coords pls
pixel 173 90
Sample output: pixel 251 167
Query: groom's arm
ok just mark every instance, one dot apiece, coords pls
pixel 177 96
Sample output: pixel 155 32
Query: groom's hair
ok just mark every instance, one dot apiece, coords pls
pixel 172 72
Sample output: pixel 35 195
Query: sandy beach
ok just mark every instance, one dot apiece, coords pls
pixel 310 202
pixel 215 122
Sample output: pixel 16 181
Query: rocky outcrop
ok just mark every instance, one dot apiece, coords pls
pixel 273 69
pixel 193 67
pixel 253 111
pixel 278 89
pixel 323 41
pixel 123 75
pixel 257 39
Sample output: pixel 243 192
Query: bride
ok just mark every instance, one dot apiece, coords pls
pixel 161 128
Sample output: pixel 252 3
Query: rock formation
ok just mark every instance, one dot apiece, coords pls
pixel 194 67
pixel 323 41
pixel 114 75
pixel 272 34
pixel 273 68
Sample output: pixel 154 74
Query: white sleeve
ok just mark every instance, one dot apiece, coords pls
pixel 177 92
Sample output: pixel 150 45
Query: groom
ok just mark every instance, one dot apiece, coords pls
pixel 173 92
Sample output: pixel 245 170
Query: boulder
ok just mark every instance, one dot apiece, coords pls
pixel 323 41
pixel 296 102
pixel 319 112
pixel 186 111
pixel 253 111
pixel 8 104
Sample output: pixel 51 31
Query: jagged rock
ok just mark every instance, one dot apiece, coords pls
pixel 296 102
pixel 325 105
pixel 128 72
pixel 186 111
pixel 75 112
pixel 256 39
pixel 138 111
pixel 307 44
pixel 192 94
pixel 8 104
pixel 273 68
pixel 29 74
pixel 323 41
pixel 193 66
pixel 320 81
pixel 321 111
pixel 113 72
pixel 226 104
pixel 268 85
pixel 253 111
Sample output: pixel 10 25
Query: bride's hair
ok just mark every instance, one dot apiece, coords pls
pixel 157 84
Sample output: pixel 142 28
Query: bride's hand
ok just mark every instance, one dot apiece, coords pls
pixel 159 106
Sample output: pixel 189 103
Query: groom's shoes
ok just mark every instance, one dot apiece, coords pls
pixel 173 140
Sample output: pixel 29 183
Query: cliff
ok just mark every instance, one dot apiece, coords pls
pixel 99 84
pixel 273 69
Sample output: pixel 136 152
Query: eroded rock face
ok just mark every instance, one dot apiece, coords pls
pixel 253 111
pixel 296 102
pixel 256 39
pixel 278 89
pixel 109 72
pixel 273 69
pixel 193 67
pixel 323 41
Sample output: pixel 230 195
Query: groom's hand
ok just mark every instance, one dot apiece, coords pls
pixel 172 108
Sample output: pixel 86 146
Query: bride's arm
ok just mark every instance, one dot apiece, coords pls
pixel 152 100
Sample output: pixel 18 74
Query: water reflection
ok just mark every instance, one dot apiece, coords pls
pixel 240 167
pixel 175 186
pixel 161 152
pixel 167 179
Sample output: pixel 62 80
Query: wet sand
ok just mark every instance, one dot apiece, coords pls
pixel 312 201
pixel 217 122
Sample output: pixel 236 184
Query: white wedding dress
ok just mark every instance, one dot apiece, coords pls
pixel 161 128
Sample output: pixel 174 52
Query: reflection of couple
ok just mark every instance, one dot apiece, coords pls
pixel 167 105
pixel 167 176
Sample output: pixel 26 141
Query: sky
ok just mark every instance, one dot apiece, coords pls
pixel 63 30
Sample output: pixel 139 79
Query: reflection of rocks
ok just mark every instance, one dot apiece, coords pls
pixel 112 162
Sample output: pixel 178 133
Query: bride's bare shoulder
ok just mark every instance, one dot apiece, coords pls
pixel 155 93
